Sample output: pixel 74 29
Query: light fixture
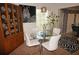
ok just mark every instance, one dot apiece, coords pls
pixel 43 9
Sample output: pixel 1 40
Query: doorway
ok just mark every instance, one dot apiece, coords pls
pixel 69 16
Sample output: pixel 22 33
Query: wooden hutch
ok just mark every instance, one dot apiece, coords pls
pixel 11 27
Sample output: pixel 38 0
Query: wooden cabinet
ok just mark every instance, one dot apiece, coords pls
pixel 11 28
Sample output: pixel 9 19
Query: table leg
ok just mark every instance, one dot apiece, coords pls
pixel 41 48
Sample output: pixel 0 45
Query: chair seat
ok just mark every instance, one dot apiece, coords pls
pixel 46 45
pixel 33 42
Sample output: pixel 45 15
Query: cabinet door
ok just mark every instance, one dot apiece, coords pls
pixel 13 42
pixel 1 47
pixel 20 39
pixel 0 35
pixel 9 45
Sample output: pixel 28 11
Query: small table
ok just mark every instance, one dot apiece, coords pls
pixel 41 49
pixel 41 40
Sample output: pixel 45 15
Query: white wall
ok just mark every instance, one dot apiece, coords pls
pixel 41 18
pixel 52 6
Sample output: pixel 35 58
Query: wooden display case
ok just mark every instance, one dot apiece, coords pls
pixel 11 27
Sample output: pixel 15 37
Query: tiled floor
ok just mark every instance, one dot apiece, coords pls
pixel 24 50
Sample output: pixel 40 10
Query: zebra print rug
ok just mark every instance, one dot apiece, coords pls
pixel 71 45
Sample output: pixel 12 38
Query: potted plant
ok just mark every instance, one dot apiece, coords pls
pixel 52 19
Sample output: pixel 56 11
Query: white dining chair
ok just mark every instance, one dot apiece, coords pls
pixel 52 44
pixel 56 31
pixel 30 41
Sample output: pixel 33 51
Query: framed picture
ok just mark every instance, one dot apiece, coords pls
pixel 29 13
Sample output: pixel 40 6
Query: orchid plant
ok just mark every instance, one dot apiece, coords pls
pixel 52 18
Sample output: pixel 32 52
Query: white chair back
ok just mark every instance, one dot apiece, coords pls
pixel 53 42
pixel 27 36
pixel 56 31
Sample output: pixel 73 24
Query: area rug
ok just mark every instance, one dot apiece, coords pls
pixel 69 44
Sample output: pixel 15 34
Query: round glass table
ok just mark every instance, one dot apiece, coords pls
pixel 42 38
